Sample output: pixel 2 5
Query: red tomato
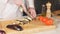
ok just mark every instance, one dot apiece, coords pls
pixel 41 18
pixel 50 19
pixel 49 22
pixel 44 19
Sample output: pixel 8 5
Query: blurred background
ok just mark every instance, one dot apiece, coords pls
pixel 38 5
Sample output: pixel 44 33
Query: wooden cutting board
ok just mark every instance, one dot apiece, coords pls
pixel 30 28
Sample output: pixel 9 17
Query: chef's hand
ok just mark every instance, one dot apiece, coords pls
pixel 32 12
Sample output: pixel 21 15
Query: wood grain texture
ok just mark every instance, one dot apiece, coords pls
pixel 33 27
